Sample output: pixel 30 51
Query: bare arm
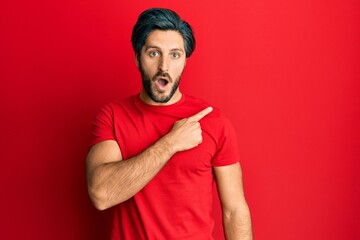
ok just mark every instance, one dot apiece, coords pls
pixel 236 214
pixel 112 180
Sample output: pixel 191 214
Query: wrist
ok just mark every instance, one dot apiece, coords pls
pixel 168 145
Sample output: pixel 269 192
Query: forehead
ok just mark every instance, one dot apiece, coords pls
pixel 165 40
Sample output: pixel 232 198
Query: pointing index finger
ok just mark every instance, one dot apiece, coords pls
pixel 197 117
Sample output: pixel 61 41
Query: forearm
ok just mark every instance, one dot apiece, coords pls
pixel 237 224
pixel 116 182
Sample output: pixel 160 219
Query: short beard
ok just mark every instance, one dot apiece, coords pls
pixel 146 82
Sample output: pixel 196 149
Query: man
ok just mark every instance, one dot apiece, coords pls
pixel 156 155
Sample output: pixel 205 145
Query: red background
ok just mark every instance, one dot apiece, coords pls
pixel 286 73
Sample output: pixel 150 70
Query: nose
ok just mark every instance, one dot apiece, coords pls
pixel 164 64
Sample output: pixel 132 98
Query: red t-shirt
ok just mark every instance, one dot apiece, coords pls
pixel 177 202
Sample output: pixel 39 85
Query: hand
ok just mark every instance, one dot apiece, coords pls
pixel 186 133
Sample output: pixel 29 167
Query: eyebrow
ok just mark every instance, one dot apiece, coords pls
pixel 156 47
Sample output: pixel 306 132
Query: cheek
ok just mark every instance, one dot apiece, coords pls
pixel 150 67
pixel 178 68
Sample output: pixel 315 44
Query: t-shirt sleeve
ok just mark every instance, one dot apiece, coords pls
pixel 227 152
pixel 103 125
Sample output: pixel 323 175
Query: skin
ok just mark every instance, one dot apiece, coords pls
pixel 156 59
pixel 112 181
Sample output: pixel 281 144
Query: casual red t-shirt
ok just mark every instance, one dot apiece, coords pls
pixel 177 202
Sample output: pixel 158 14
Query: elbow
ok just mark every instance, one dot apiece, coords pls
pixel 100 205
pixel 98 198
pixel 241 214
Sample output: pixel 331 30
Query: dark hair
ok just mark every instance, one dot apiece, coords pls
pixel 161 19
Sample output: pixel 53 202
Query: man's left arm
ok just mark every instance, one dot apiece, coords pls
pixel 236 214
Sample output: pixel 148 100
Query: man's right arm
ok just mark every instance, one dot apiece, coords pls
pixel 112 180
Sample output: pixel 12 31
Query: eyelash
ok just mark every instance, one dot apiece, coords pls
pixel 155 54
pixel 152 54
pixel 177 55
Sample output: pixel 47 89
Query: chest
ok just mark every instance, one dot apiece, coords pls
pixel 135 134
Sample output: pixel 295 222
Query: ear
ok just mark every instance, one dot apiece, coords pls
pixel 137 59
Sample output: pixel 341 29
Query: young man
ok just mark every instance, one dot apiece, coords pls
pixel 156 155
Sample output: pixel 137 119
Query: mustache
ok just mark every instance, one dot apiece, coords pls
pixel 162 74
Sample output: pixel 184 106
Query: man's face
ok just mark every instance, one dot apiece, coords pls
pixel 161 63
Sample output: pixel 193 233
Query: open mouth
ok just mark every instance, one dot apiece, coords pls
pixel 163 82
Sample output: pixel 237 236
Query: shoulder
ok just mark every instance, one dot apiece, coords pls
pixel 114 107
pixel 214 121
pixel 194 105
pixel 195 102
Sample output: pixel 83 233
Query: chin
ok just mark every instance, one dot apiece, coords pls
pixel 162 99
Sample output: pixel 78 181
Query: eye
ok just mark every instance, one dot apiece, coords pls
pixel 154 54
pixel 175 55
